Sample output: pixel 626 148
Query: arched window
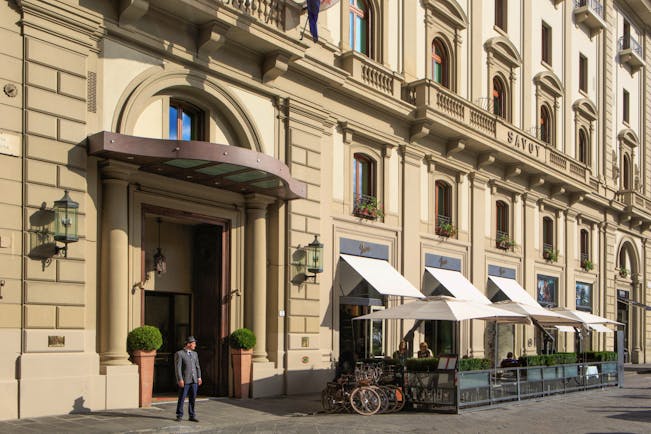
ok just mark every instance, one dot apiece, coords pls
pixel 365 203
pixel 548 236
pixel 502 219
pixel 499 97
pixel 626 172
pixel 545 124
pixel 363 175
pixel 443 204
pixel 440 63
pixel 582 151
pixel 185 121
pixel 585 245
pixel 359 26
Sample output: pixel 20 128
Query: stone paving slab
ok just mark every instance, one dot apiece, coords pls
pixel 596 411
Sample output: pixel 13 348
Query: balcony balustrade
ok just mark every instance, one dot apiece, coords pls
pixel 458 116
pixel 630 52
pixel 591 14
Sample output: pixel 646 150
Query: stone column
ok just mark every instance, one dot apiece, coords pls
pixel 256 272
pixel 114 305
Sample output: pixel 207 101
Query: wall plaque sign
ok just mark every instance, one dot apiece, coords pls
pixel 10 144
pixel 56 341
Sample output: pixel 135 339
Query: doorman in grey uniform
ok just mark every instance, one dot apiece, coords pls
pixel 188 377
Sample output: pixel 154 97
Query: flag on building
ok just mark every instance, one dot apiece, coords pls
pixel 313 9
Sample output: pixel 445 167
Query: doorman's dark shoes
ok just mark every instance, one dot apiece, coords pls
pixel 193 419
pixel 178 419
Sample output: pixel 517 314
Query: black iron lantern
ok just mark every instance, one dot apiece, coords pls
pixel 314 257
pixel 65 222
pixel 160 262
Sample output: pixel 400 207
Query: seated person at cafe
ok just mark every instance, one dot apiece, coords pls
pixel 510 361
pixel 401 354
pixel 424 352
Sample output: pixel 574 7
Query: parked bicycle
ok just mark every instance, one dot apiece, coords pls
pixel 368 391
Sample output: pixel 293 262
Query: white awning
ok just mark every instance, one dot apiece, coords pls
pixel 600 328
pixel 513 291
pixel 566 329
pixel 382 276
pixel 457 285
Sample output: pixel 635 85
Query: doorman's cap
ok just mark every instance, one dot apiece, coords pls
pixel 190 339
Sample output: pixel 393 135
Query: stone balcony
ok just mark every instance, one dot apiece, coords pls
pixel 453 116
pixel 365 70
pixel 590 13
pixel 630 52
pixel 637 207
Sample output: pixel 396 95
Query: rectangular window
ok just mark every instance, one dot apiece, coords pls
pixel 625 107
pixel 583 73
pixel 626 40
pixel 546 37
pixel 185 121
pixel 500 14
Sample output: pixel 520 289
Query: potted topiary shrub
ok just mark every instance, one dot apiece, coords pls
pixel 623 272
pixel 142 343
pixel 587 264
pixel 241 342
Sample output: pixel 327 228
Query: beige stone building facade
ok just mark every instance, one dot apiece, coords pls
pixel 482 137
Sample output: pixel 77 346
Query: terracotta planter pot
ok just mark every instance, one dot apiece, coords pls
pixel 145 362
pixel 241 372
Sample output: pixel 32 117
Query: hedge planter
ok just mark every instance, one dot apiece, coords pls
pixel 241 372
pixel 142 343
pixel 145 361
pixel 241 342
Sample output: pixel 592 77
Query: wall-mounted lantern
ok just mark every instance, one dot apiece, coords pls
pixel 160 262
pixel 65 222
pixel 314 258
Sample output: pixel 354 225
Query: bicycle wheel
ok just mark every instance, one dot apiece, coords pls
pixel 327 401
pixel 396 398
pixel 365 401
pixel 385 405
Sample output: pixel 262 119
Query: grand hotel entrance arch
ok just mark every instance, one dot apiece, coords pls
pixel 258 180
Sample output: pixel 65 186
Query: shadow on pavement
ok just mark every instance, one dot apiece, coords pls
pixel 634 416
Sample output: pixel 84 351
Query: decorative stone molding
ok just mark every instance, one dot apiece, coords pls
pixel 131 11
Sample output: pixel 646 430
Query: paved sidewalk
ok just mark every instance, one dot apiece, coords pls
pixel 608 410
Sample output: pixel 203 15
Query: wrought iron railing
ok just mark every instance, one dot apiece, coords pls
pixel 594 5
pixel 626 42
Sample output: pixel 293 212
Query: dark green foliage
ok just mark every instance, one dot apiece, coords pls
pixel 600 356
pixel 144 338
pixel 474 364
pixel 422 365
pixel 243 339
pixel 548 359
pixel 560 359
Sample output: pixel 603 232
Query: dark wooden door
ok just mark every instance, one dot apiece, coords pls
pixel 170 312
pixel 207 288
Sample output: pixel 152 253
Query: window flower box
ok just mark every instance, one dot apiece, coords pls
pixel 367 207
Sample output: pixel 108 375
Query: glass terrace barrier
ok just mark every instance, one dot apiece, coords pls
pixel 450 391
pixel 478 388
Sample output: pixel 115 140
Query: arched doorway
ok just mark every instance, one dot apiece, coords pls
pixel 628 289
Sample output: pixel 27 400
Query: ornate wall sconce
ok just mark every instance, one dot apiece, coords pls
pixel 65 223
